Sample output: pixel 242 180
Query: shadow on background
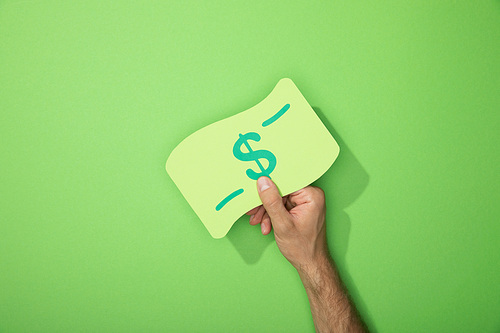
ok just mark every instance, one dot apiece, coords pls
pixel 248 240
pixel 343 185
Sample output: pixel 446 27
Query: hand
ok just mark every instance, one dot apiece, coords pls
pixel 298 220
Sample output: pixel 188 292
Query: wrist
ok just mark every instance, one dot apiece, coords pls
pixel 315 265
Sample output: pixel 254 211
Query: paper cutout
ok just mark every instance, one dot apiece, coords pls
pixel 216 167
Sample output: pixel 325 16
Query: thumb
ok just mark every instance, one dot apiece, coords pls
pixel 271 200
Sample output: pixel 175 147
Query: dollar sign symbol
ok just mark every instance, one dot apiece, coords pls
pixel 254 155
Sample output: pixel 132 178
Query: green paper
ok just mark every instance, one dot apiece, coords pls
pixel 216 168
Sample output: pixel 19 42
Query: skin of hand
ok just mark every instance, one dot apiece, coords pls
pixel 298 221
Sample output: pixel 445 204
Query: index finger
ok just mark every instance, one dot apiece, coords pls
pixel 253 211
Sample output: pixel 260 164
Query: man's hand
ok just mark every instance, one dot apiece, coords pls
pixel 298 220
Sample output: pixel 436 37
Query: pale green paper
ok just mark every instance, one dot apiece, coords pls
pixel 205 170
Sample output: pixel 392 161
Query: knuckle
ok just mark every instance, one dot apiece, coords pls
pixel 318 194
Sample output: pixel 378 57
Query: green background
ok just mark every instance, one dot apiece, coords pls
pixel 94 95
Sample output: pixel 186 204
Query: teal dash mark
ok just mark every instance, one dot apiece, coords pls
pixel 228 198
pixel 276 116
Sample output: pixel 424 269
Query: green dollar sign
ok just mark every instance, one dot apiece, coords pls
pixel 252 155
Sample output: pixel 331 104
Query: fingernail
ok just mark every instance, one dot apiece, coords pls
pixel 262 227
pixel 263 183
pixel 251 218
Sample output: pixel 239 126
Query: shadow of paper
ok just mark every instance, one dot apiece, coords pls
pixel 343 185
pixel 248 240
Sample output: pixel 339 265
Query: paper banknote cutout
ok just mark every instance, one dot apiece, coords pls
pixel 216 167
